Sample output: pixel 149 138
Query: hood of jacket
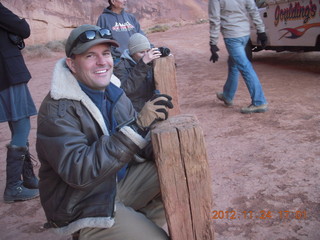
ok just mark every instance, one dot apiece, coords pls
pixel 127 56
pixel 107 10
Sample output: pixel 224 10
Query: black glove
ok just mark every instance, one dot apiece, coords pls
pixel 262 37
pixel 147 153
pixel 214 55
pixel 155 109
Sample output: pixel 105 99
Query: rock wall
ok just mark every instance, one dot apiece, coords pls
pixel 163 11
pixel 54 19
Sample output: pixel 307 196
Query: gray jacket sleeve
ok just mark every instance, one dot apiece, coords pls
pixel 232 18
pixel 255 16
pixel 214 19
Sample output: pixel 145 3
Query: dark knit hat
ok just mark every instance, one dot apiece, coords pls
pixel 138 43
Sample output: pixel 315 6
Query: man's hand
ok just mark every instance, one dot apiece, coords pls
pixel 156 109
pixel 262 37
pixel 214 55
pixel 152 54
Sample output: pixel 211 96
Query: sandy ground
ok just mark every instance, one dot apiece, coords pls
pixel 265 167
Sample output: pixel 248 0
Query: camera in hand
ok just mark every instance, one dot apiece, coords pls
pixel 164 51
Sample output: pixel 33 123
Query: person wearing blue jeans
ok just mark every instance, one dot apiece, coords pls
pixel 235 29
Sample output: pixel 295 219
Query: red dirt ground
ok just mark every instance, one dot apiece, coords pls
pixel 259 162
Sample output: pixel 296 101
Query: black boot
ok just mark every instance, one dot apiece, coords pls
pixel 15 191
pixel 29 178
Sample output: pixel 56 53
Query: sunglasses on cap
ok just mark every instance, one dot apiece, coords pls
pixel 90 35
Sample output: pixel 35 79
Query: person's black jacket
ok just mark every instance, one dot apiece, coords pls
pixel 13 69
pixel 137 79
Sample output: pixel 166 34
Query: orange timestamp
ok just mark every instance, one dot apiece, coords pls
pixel 263 214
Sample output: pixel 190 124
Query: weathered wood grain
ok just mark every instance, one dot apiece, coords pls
pixel 166 80
pixel 185 180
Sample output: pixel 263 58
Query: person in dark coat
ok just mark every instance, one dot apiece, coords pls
pixel 16 107
pixel 135 70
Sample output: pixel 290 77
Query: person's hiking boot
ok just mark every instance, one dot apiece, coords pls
pixel 29 178
pixel 15 191
pixel 223 99
pixel 255 109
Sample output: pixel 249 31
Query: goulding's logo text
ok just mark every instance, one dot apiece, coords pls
pixel 295 12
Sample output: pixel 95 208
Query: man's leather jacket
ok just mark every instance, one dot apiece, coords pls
pixel 79 160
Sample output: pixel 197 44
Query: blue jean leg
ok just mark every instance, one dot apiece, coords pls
pixel 238 62
pixel 231 85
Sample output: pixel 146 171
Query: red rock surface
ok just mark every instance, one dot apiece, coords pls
pixel 259 162
pixel 54 19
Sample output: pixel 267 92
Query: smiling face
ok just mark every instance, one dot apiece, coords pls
pixel 94 67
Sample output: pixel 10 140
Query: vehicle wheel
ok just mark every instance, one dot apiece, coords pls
pixel 248 50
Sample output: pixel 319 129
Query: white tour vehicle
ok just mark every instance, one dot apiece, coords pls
pixel 291 25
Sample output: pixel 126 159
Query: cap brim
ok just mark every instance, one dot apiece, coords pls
pixel 81 48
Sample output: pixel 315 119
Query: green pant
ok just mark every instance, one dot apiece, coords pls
pixel 139 208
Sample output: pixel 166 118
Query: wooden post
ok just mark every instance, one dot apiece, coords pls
pixel 166 80
pixel 185 181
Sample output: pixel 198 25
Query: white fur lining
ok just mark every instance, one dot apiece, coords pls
pixel 116 81
pixel 92 222
pixel 135 137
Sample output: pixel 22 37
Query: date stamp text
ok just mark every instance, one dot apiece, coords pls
pixel 263 214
